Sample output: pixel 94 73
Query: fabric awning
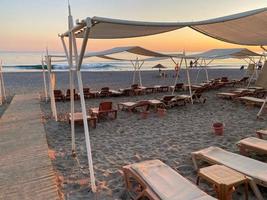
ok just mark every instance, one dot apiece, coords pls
pixel 131 49
pixel 224 54
pixel 247 28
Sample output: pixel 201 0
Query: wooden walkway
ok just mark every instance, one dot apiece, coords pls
pixel 25 169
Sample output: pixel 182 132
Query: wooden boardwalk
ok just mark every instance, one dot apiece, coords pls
pixel 25 169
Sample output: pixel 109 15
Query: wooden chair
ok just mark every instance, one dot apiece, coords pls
pixel 104 110
pixel 89 94
pixel 59 96
pixel 168 100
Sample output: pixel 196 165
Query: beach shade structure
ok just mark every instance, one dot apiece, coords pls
pixel 240 29
pixel 262 82
pixel 2 85
pixel 207 57
pixel 44 79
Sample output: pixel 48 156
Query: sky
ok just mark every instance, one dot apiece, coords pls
pixel 33 25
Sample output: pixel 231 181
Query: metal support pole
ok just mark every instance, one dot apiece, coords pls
pixel 177 74
pixel 84 113
pixel 140 78
pixel 206 70
pixel 262 107
pixel 189 81
pixel 44 79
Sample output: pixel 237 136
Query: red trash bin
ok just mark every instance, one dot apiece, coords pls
pixel 218 128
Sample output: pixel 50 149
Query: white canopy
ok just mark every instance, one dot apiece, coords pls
pixel 224 54
pixel 247 28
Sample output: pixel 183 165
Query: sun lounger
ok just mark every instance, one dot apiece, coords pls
pixel 261 133
pixel 248 100
pixel 255 170
pixel 243 80
pixel 78 119
pixel 59 96
pixel 155 104
pixel 104 109
pixel 89 94
pixel 160 88
pixel 67 96
pixel 155 180
pixel 252 144
pixel 104 92
pixel 177 87
pixel 168 100
pixel 133 106
pixel 115 93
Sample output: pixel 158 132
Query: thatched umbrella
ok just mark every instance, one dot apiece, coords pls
pixel 159 66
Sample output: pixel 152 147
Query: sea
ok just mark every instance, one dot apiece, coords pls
pixel 14 61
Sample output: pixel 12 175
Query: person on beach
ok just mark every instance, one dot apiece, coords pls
pixel 176 70
pixel 191 64
pixel 259 65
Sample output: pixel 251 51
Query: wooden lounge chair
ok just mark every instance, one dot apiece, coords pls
pixel 155 104
pixel 89 94
pixel 115 93
pixel 161 88
pixel 78 119
pixel 178 87
pixel 253 101
pixel 134 106
pixel 181 100
pixel 127 91
pixel 154 180
pixel 261 133
pixel 234 94
pixel 256 171
pixel 104 109
pixel 59 96
pixel 242 81
pixel 168 100
pixel 67 96
pixel 252 144
pixel 137 90
pixel 197 96
pixel 104 92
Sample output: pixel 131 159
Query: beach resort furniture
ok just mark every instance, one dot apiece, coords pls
pixel 67 95
pixel 115 93
pixel 252 101
pixel 197 96
pixel 89 93
pixel 78 119
pixel 177 87
pixel 133 106
pixel 223 179
pixel 256 171
pixel 154 180
pixel 168 100
pixel 155 104
pixel 252 144
pixel 161 88
pixel 127 91
pixel 137 90
pixel 59 96
pixel 261 133
pixel 104 92
pixel 104 109
pixel 181 99
pixel 241 81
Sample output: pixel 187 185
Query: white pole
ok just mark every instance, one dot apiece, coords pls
pixel 198 71
pixel 140 78
pixel 177 74
pixel 44 78
pixel 262 107
pixel 206 70
pixel 189 81
pixel 52 95
pixel 80 84
pixel 2 83
pixel 1 95
pixel 135 67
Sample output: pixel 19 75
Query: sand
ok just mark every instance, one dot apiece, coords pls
pixel 130 138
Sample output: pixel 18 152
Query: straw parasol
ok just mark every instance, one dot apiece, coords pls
pixel 159 66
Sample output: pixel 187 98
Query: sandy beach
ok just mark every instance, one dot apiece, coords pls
pixel 130 139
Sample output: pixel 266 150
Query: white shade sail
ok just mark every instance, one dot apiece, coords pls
pixel 247 28
pixel 224 54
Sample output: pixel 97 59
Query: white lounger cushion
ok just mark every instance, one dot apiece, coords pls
pixel 248 166
pixel 167 183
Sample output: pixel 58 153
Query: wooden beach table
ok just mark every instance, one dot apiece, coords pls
pixel 224 179
pixel 252 144
pixel 261 133
pixel 78 118
pixel 252 100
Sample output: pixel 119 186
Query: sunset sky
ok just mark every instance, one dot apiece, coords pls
pixel 31 25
